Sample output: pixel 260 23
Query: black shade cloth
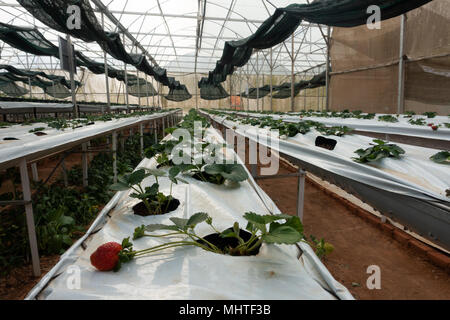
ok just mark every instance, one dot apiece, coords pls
pixel 284 22
pixel 178 94
pixel 213 92
pixel 55 14
pixel 13 90
pixel 32 74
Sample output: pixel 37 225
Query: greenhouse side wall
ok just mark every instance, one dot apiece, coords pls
pixel 365 69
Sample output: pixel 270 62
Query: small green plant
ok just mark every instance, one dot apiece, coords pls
pixel 4 125
pixel 409 114
pixel 277 229
pixel 442 157
pixel 154 201
pixel 379 151
pixel 215 173
pixel 334 131
pixel 430 115
pixel 37 130
pixel 418 122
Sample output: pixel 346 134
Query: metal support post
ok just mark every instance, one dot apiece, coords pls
pixel 114 152
pixel 34 171
pixel 301 194
pixel 141 134
pixel 84 156
pixel 30 218
pixel 401 69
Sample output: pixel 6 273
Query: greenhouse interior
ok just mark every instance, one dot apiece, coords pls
pixel 225 150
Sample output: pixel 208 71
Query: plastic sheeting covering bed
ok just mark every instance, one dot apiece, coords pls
pixel 276 272
pixel 414 188
pixel 12 107
pixel 31 144
pixel 403 127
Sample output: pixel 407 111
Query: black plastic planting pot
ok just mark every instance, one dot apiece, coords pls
pixel 224 243
pixel 325 143
pixel 141 210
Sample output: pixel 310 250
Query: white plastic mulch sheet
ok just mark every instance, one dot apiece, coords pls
pixel 29 143
pixel 28 107
pixel 192 273
pixel 403 127
pixel 415 174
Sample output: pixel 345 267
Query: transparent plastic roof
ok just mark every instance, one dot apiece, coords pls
pixel 167 29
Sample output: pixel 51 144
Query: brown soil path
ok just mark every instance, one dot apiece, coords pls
pixel 358 245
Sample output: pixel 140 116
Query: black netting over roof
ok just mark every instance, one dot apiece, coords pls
pixel 58 91
pixel 12 90
pixel 33 74
pixel 179 94
pixel 142 88
pixel 254 93
pixel 55 14
pixel 213 92
pixel 28 40
pixel 284 22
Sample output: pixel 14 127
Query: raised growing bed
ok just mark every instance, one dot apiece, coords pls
pixel 275 272
pixel 411 191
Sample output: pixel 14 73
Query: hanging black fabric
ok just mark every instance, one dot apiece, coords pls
pixel 178 94
pixel 213 92
pixel 55 14
pixel 254 93
pixel 12 90
pixel 284 22
pixel 28 40
pixel 58 91
pixel 27 73
pixel 141 88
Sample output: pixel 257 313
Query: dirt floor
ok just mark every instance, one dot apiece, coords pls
pixel 358 245
pixel 20 281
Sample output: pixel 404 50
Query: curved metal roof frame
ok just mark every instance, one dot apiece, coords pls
pixel 178 38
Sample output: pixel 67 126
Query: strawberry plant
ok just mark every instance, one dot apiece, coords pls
pixel 409 114
pixel 36 130
pixel 388 118
pixel 430 115
pixel 5 125
pixel 418 122
pixel 379 151
pixel 442 157
pixel 153 201
pixel 277 229
pixel 333 131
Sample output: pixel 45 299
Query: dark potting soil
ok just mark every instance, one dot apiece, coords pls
pixel 141 210
pixel 325 143
pixel 224 243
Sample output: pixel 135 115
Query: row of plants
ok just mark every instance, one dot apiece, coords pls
pixel 234 241
pixel 347 114
pixel 61 214
pixel 287 129
pixel 62 124
pixel 204 165
pixel 378 151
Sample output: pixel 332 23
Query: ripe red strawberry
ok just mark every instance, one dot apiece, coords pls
pixel 435 128
pixel 106 257
pixel 431 124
